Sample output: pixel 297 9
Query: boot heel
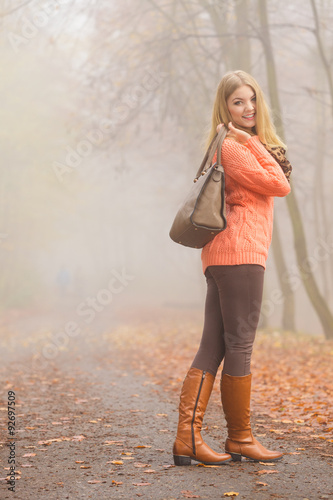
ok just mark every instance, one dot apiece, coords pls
pixel 181 460
pixel 236 457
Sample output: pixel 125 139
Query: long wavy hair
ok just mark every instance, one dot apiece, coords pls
pixel 264 127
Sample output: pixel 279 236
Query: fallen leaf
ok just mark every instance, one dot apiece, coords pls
pixel 141 484
pixel 142 446
pixel 117 462
pixel 231 494
pixel 267 472
pixel 93 481
pixel 117 483
pixel 189 494
pixel 267 463
pixel 204 465
pixel 29 455
pixel 79 461
pixel 259 483
pixel 78 438
pixel 85 466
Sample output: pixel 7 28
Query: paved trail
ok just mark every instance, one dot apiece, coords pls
pixel 85 410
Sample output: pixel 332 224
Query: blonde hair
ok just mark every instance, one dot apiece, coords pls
pixel 264 127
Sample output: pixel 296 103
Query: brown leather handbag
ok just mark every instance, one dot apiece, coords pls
pixel 202 215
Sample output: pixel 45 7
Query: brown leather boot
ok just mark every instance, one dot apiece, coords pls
pixel 235 395
pixel 189 445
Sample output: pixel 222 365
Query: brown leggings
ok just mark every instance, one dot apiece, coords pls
pixel 232 310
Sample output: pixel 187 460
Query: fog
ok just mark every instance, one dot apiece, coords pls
pixel 105 109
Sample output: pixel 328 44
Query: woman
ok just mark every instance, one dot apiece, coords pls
pixel 234 262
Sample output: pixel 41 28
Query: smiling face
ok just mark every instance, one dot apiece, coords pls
pixel 242 106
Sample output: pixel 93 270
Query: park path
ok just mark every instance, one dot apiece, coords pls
pixel 90 426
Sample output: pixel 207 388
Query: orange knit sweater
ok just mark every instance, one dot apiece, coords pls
pixel 252 179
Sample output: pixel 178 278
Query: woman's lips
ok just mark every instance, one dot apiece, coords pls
pixel 249 117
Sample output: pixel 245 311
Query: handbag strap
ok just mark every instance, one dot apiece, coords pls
pixel 216 143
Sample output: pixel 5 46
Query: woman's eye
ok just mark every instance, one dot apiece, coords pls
pixel 254 98
pixel 238 102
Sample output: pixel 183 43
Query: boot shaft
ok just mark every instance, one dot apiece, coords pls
pixel 236 396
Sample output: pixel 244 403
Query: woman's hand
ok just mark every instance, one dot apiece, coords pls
pixel 234 133
pixel 238 135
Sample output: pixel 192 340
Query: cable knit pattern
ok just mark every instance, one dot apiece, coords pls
pixel 252 179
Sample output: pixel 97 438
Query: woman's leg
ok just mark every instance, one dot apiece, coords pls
pixel 211 349
pixel 240 290
pixel 197 388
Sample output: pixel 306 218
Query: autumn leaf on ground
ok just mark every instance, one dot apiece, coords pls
pixel 93 481
pixel 142 446
pixel 204 465
pixel 116 462
pixel 231 494
pixel 141 484
pixel 28 455
pixel 267 463
pixel 259 483
pixel 189 494
pixel 78 438
pixel 264 471
pixel 117 483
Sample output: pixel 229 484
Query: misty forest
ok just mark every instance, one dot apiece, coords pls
pixel 106 110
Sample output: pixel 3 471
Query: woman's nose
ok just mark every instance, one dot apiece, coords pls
pixel 250 106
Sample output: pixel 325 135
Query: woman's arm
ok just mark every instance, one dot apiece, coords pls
pixel 253 166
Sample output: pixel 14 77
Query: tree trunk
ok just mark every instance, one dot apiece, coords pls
pixel 243 44
pixel 288 315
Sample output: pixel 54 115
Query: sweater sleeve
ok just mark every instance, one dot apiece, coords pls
pixel 252 166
